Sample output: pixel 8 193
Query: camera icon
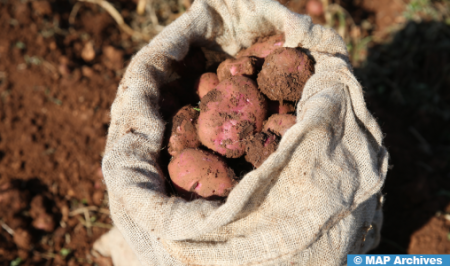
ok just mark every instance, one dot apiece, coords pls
pixel 357 260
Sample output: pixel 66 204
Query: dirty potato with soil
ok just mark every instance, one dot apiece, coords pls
pixel 232 111
pixel 259 147
pixel 197 173
pixel 284 74
pixel 184 134
pixel 243 66
pixel 279 123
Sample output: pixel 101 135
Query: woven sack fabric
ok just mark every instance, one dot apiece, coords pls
pixel 313 201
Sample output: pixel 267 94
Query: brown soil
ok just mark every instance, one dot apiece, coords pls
pixel 259 147
pixel 386 12
pixel 284 74
pixel 380 14
pixel 54 116
pixel 432 238
pixel 411 104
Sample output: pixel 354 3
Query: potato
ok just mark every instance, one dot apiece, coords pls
pixel 196 173
pixel 259 147
pixel 184 133
pixel 206 83
pixel 232 111
pixel 263 47
pixel 243 66
pixel 314 8
pixel 279 123
pixel 284 74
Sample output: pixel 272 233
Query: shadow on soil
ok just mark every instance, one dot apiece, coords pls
pixel 407 87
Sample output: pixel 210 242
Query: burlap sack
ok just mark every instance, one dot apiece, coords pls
pixel 314 200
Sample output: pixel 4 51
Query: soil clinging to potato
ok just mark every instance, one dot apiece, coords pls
pixel 259 147
pixel 284 74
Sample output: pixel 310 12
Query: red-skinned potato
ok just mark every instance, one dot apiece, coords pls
pixel 259 147
pixel 243 66
pixel 263 47
pixel 206 83
pixel 232 111
pixel 284 74
pixel 200 174
pixel 279 123
pixel 184 133
pixel 314 8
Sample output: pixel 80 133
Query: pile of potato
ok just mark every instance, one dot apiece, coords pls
pixel 243 111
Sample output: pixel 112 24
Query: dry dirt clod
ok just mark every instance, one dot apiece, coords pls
pixel 23 254
pixel 431 238
pixel 12 200
pixel 22 13
pixel 52 46
pixel 63 67
pixel 42 7
pixel 44 222
pixel 64 70
pixel 88 52
pixel 112 58
pixel 65 213
pixel 87 71
pixel 22 238
pixel 97 198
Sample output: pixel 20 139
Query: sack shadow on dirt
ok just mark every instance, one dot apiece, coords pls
pixel 406 85
pixel 29 209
